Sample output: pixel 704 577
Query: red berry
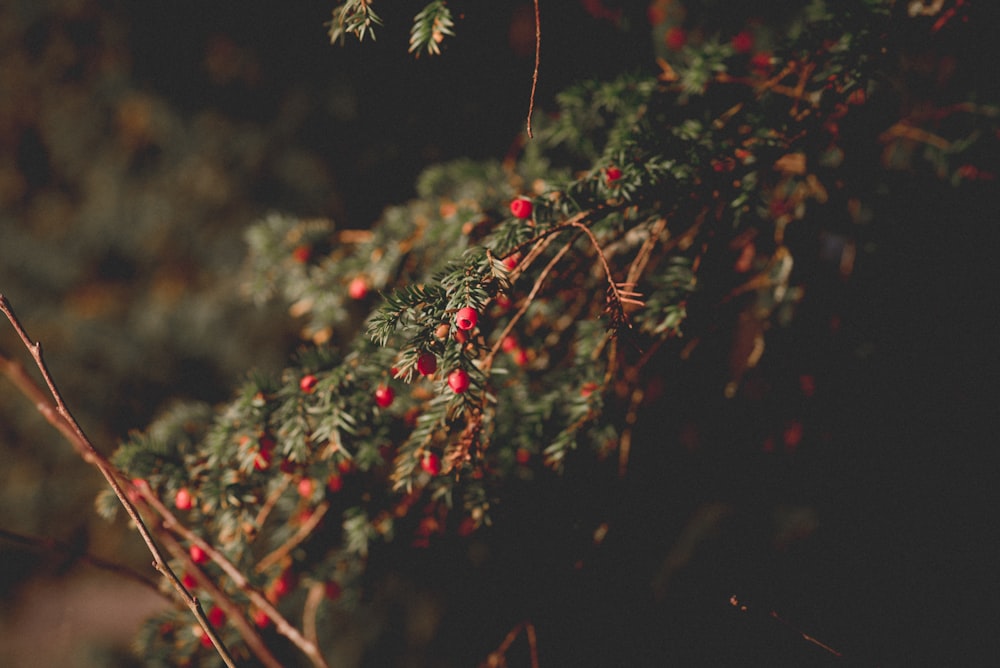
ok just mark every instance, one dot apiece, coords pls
pixel 182 500
pixel 427 363
pixel 384 396
pixel 675 38
pixel 466 318
pixel 216 616
pixel 333 590
pixel 761 62
pixel 523 455
pixel 521 208
pixel 743 42
pixel 306 487
pixel 206 641
pixel 261 620
pixel 262 460
pixel 458 381
pixel 308 383
pixel 345 465
pixel 198 555
pixel 138 487
pixel 302 254
pixel 282 586
pixel 613 174
pixel 189 581
pixel 520 356
pixel 431 463
pixel 358 288
pixel 509 343
pixel 335 483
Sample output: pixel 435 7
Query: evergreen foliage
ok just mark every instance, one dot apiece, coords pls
pixel 669 211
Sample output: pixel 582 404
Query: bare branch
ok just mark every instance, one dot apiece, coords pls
pixel 64 421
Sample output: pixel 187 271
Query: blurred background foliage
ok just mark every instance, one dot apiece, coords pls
pixel 139 140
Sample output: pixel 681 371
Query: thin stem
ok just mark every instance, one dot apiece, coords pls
pixel 239 581
pixel 234 614
pixel 300 535
pixel 743 607
pixel 70 428
pixel 498 656
pixel 488 362
pixel 534 74
pixel 93 560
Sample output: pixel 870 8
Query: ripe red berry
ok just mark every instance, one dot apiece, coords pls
pixel 466 318
pixel 139 485
pixel 458 381
pixel 306 487
pixel 761 62
pixel 333 590
pixel 206 640
pixel 358 288
pixel 521 208
pixel 613 174
pixel 427 363
pixel 308 383
pixel 523 455
pixel 743 42
pixel 189 581
pixel 675 38
pixel 182 500
pixel 262 460
pixel 511 261
pixel 431 463
pixel 335 483
pixel 509 343
pixel 198 555
pixel 302 254
pixel 216 616
pixel 261 620
pixel 281 586
pixel 384 396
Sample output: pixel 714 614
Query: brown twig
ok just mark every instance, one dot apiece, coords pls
pixel 488 361
pixel 239 581
pixel 904 130
pixel 619 297
pixel 290 544
pixel 95 561
pixel 534 74
pixel 743 607
pixel 498 656
pixel 63 419
pixel 234 614
pixel 269 504
pixel 317 591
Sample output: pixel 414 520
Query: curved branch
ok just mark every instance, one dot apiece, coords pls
pixel 63 420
